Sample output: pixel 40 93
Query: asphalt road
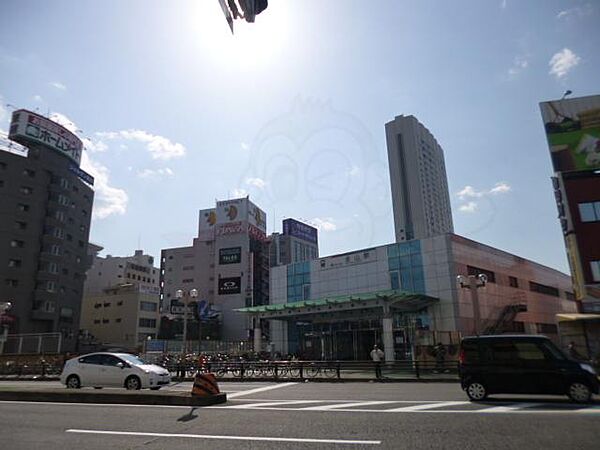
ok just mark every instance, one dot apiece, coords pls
pixel 309 415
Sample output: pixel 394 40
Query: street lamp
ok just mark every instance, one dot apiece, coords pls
pixel 474 282
pixel 179 294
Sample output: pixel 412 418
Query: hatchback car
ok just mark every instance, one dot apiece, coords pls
pixel 521 364
pixel 113 370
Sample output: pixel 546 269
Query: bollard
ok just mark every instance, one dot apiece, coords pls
pixel 205 385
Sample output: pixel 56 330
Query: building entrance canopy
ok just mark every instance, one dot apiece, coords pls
pixel 343 306
pixel 378 305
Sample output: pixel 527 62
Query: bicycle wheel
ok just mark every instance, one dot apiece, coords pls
pixel 330 372
pixel 312 371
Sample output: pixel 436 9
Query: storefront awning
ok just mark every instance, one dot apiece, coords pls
pixel 396 300
pixel 572 317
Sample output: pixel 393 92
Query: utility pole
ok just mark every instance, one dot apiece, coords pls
pixel 473 283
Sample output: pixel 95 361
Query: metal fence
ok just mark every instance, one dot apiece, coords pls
pixel 36 343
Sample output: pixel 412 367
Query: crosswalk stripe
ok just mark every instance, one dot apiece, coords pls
pixel 344 405
pixel 426 406
pixel 266 404
pixel 509 408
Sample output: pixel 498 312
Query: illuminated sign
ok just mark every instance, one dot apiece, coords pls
pixel 232 255
pixel 230 285
pixel 27 127
pixel 300 230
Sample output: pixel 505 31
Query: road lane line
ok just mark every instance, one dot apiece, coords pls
pixel 271 403
pixel 426 406
pixel 509 408
pixel 343 405
pixel 221 437
pixel 261 389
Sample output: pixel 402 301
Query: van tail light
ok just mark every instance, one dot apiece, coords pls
pixel 461 356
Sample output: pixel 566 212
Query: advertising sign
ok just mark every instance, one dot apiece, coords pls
pixel 224 229
pixel 230 285
pixel 257 217
pixel 29 127
pixel 232 210
pixel 206 224
pixel 232 255
pixel 82 174
pixel 573 133
pixel 300 230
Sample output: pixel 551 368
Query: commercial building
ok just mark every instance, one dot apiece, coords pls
pixel 573 133
pixel 228 265
pixel 405 297
pixel 298 242
pixel 121 299
pixel 420 198
pixel 45 212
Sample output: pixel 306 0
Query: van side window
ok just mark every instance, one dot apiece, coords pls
pixel 551 349
pixel 471 351
pixel 502 351
pixel 529 351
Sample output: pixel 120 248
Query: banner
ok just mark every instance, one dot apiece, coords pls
pixel 232 255
pixel 230 285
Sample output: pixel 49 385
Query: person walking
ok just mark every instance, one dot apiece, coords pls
pixel 377 357
pixel 440 357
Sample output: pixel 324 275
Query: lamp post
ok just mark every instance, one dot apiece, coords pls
pixel 180 294
pixel 474 282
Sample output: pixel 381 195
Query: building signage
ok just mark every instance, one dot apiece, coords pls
pixel 300 230
pixel 82 174
pixel 232 255
pixel 229 211
pixel 29 127
pixel 230 285
pixel 224 229
pixel 257 217
pixel 573 133
pixel 206 224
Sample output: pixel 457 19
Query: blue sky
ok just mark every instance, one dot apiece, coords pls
pixel 177 112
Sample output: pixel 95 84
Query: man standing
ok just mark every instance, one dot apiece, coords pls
pixel 377 356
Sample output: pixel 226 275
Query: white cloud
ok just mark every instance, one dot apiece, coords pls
pixel 519 65
pixel 353 171
pixel 3 111
pixel 108 200
pixel 58 85
pixel 469 193
pixel 155 174
pixel 562 62
pixel 38 98
pixel 468 207
pixel 159 146
pixel 576 12
pixel 503 4
pixel 256 182
pixel 239 192
pixel 324 224
pixel 245 146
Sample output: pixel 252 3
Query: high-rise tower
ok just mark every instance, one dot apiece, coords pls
pixel 420 197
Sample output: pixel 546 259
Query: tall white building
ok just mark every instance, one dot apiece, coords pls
pixel 420 197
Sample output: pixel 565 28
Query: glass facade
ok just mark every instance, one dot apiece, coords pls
pixel 298 282
pixel 405 263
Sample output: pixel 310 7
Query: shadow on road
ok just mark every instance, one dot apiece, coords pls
pixel 189 416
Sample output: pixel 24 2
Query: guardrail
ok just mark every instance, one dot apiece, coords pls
pixel 324 370
pixel 30 370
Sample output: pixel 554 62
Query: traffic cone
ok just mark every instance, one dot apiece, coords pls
pixel 205 385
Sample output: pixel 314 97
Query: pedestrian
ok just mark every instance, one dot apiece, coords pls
pixel 440 357
pixel 377 356
pixel 573 353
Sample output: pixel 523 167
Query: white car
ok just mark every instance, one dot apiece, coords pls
pixel 113 370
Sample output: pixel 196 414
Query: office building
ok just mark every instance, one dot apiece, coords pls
pixel 45 213
pixel 420 198
pixel 298 242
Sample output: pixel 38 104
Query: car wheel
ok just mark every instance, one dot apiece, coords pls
pixel 476 391
pixel 133 383
pixel 155 388
pixel 579 392
pixel 73 382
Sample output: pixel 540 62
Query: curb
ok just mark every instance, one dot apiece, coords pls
pixel 124 398
pixel 329 380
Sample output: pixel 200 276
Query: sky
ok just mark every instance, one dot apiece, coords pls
pixel 176 112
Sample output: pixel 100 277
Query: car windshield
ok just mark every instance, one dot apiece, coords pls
pixel 132 359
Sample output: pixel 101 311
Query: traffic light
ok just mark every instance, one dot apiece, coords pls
pixel 242 9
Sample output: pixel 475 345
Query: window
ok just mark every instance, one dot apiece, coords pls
pixel 97 305
pixel 147 323
pixel 51 286
pixel 595 266
pixel 589 212
pixel 64 183
pixel 60 216
pixel 546 328
pixel 11 282
pixel 118 320
pixel 26 190
pixel 188 280
pixel 105 320
pixel 63 200
pixel 120 303
pixel 529 351
pixel 148 306
pixel 14 263
pixel 22 207
pixel 20 225
pixel 394 280
pixel 513 282
pixel 15 243
pixel 55 250
pixel 188 267
pixel 52 267
pixel 491 276
pixel 29 173
pixel 543 289
pixel 95 321
pixel 59 233
pixel 106 304
pixel 570 295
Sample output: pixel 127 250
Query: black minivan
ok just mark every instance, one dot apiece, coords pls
pixel 522 364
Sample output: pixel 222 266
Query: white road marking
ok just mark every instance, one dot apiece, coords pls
pixel 426 406
pixel 235 438
pixel 509 408
pixel 344 405
pixel 261 389
pixel 271 403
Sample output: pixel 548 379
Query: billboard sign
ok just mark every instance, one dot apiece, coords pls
pixel 573 133
pixel 229 211
pixel 82 174
pixel 206 224
pixel 257 217
pixel 28 127
pixel 300 230
pixel 232 255
pixel 230 285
